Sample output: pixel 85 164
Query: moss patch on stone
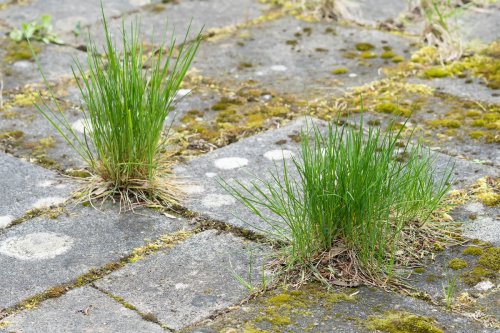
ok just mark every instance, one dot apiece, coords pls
pixel 340 71
pixel 472 251
pixel 457 263
pixel 402 322
pixel 491 259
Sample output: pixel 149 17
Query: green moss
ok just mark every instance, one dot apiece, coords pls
pixel 398 59
pixel 244 65
pixel 431 278
pixel 79 173
pixel 419 270
pixel 388 55
pixel 275 320
pixel 20 51
pixel 472 251
pixel 473 113
pixel 457 263
pixel 349 55
pixel 437 72
pixel 224 103
pixel 402 322
pixel 13 135
pixel 477 134
pixel 491 259
pixel 392 108
pixel 292 42
pixel 340 71
pixel 364 47
pixel 368 55
pixel 476 275
pixel 448 123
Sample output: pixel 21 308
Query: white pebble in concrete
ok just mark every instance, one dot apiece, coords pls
pixel 48 201
pixel 210 174
pixel 228 163
pixel 45 183
pixel 193 189
pixel 181 286
pixel 278 68
pixel 278 155
pixel 36 246
pixel 484 286
pixel 217 200
pixel 5 220
pixel 79 126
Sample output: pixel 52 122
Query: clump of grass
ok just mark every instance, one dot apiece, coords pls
pixel 126 104
pixel 347 206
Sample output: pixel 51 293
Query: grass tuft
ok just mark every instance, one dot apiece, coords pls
pixel 347 207
pixel 127 98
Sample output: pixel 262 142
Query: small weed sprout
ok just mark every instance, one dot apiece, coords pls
pixel 126 104
pixel 39 30
pixel 449 290
pixel 348 207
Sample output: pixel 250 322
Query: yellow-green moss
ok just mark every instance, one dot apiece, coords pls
pixel 477 134
pixel 478 123
pixel 340 71
pixel 448 123
pixel 489 198
pixel 364 47
pixel 228 116
pixel 419 270
pixel 368 55
pixel 457 263
pixel 78 173
pixel 19 51
pixel 349 55
pixel 491 259
pixel 437 72
pixel 16 134
pixel 476 275
pixel 398 59
pixel 473 113
pixel 244 65
pixel 402 322
pixel 392 108
pixel 388 54
pixel 472 251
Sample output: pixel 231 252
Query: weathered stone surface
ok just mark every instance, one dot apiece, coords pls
pixel 80 310
pixel 458 87
pixel 480 24
pixel 193 280
pixel 157 19
pixel 26 186
pixel 372 12
pixel 297 57
pixel 66 17
pixel 248 159
pixel 313 310
pixel 44 252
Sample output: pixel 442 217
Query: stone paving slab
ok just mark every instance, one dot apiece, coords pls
pixel 480 24
pixel 55 61
pixel 297 57
pixel 43 252
pixel 179 15
pixel 26 186
pixel 253 157
pixel 80 310
pixel 192 281
pixel 65 18
pixel 372 12
pixel 311 309
pixel 475 90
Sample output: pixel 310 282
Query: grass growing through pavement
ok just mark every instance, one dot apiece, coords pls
pixel 126 103
pixel 351 204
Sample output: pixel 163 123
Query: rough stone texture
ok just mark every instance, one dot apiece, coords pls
pixel 55 61
pixel 24 185
pixel 481 222
pixel 481 24
pixel 45 252
pixel 476 90
pixel 155 19
pixel 371 12
pixel 65 18
pixel 297 57
pixel 226 164
pixel 80 310
pixel 196 278
pixel 321 315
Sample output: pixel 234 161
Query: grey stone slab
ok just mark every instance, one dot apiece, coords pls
pixel 254 157
pixel 480 24
pixel 481 221
pixel 372 12
pixel 475 90
pixel 311 309
pixel 55 61
pixel 66 17
pixel 157 19
pixel 26 186
pixel 192 281
pixel 80 310
pixel 44 252
pixel 297 57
